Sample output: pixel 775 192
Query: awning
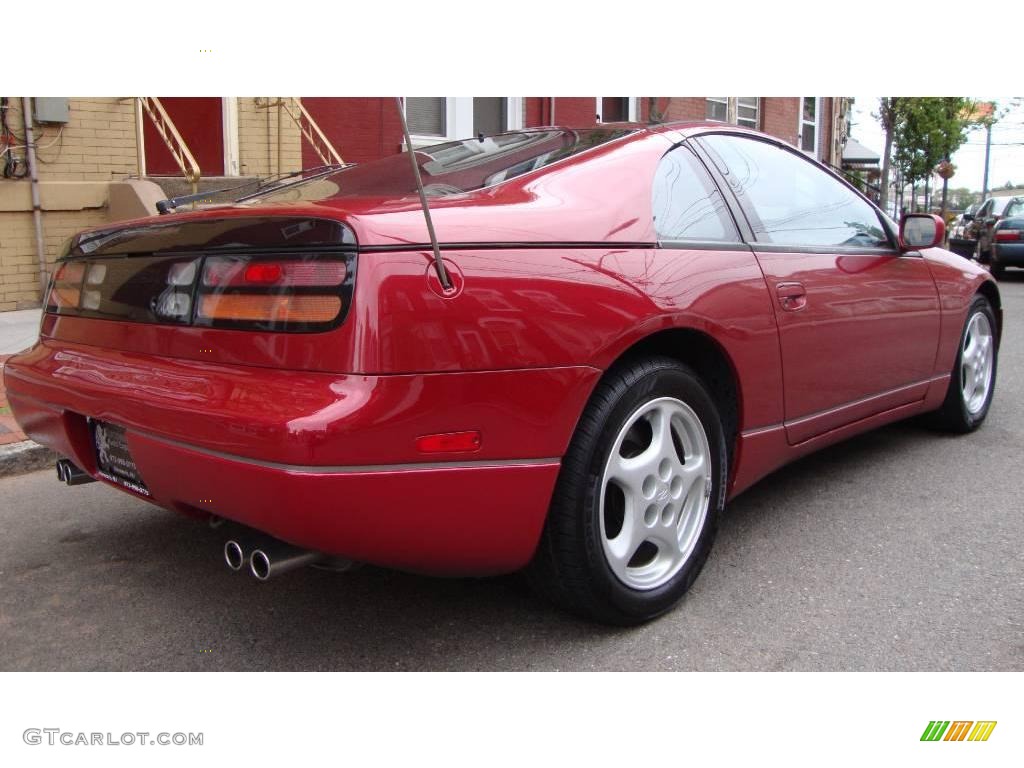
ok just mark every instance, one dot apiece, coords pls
pixel 855 153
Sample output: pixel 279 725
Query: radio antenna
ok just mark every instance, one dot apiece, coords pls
pixel 442 272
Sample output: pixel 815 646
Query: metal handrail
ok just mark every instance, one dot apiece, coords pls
pixel 172 139
pixel 312 133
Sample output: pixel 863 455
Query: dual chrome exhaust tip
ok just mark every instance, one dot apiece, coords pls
pixel 270 557
pixel 69 473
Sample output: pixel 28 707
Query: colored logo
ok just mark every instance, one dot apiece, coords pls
pixel 958 730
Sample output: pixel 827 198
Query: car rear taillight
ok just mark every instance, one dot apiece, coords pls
pixel 275 292
pixel 271 309
pixel 1005 235
pixel 235 273
pixel 272 293
pixel 66 286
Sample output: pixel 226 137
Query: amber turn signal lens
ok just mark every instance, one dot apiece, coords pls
pixel 276 309
pixel 64 296
pixel 70 272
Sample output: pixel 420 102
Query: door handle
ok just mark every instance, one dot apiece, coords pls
pixel 792 296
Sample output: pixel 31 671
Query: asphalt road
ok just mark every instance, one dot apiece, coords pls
pixel 898 550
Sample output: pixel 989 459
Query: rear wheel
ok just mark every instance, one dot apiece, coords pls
pixel 637 502
pixel 973 378
pixel 994 265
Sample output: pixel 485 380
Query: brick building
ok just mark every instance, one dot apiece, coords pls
pixel 92 152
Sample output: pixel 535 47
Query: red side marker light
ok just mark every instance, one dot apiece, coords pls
pixel 450 442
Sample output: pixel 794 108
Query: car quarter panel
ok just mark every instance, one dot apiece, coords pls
pixel 550 308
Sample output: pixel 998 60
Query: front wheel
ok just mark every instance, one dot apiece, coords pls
pixel 637 502
pixel 973 378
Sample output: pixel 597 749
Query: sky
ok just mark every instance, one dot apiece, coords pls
pixel 1007 158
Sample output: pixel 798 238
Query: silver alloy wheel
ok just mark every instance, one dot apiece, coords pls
pixel 976 363
pixel 655 493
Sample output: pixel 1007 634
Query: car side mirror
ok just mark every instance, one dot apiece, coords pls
pixel 968 217
pixel 921 230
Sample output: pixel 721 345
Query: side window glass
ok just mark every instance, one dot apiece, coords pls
pixel 790 201
pixel 686 203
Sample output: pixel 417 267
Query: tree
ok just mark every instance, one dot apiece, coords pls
pixel 928 131
pixel 961 198
pixel 888 115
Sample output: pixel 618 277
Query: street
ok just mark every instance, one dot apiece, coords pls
pixel 898 550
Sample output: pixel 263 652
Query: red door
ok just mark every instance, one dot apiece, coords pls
pixel 858 320
pixel 200 121
pixel 858 333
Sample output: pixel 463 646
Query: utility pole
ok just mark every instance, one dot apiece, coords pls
pixel 988 151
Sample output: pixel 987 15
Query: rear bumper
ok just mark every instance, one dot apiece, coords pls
pixel 1009 254
pixel 323 461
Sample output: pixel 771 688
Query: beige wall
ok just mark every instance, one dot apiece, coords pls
pixel 98 146
pixel 257 138
pixel 19 269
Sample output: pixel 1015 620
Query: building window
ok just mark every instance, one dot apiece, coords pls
pixel 717 108
pixel 490 115
pixel 616 109
pixel 738 110
pixel 427 116
pixel 434 119
pixel 747 111
pixel 809 124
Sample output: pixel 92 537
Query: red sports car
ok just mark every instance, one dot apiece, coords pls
pixel 628 326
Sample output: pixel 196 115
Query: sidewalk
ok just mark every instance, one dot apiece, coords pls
pixel 9 431
pixel 18 330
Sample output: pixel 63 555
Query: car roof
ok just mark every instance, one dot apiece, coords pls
pixel 1000 203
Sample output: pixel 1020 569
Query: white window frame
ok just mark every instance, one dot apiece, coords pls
pixel 229 118
pixel 633 108
pixel 730 108
pixel 800 123
pixel 735 119
pixel 459 120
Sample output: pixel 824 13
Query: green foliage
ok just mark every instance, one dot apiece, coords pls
pixel 961 198
pixel 926 131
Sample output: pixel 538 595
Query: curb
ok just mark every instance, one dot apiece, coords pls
pixel 26 456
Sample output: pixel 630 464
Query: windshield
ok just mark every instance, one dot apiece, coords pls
pixel 449 169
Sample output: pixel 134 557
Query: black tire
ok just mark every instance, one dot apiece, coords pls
pixel 570 567
pixel 954 414
pixel 982 256
pixel 995 267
